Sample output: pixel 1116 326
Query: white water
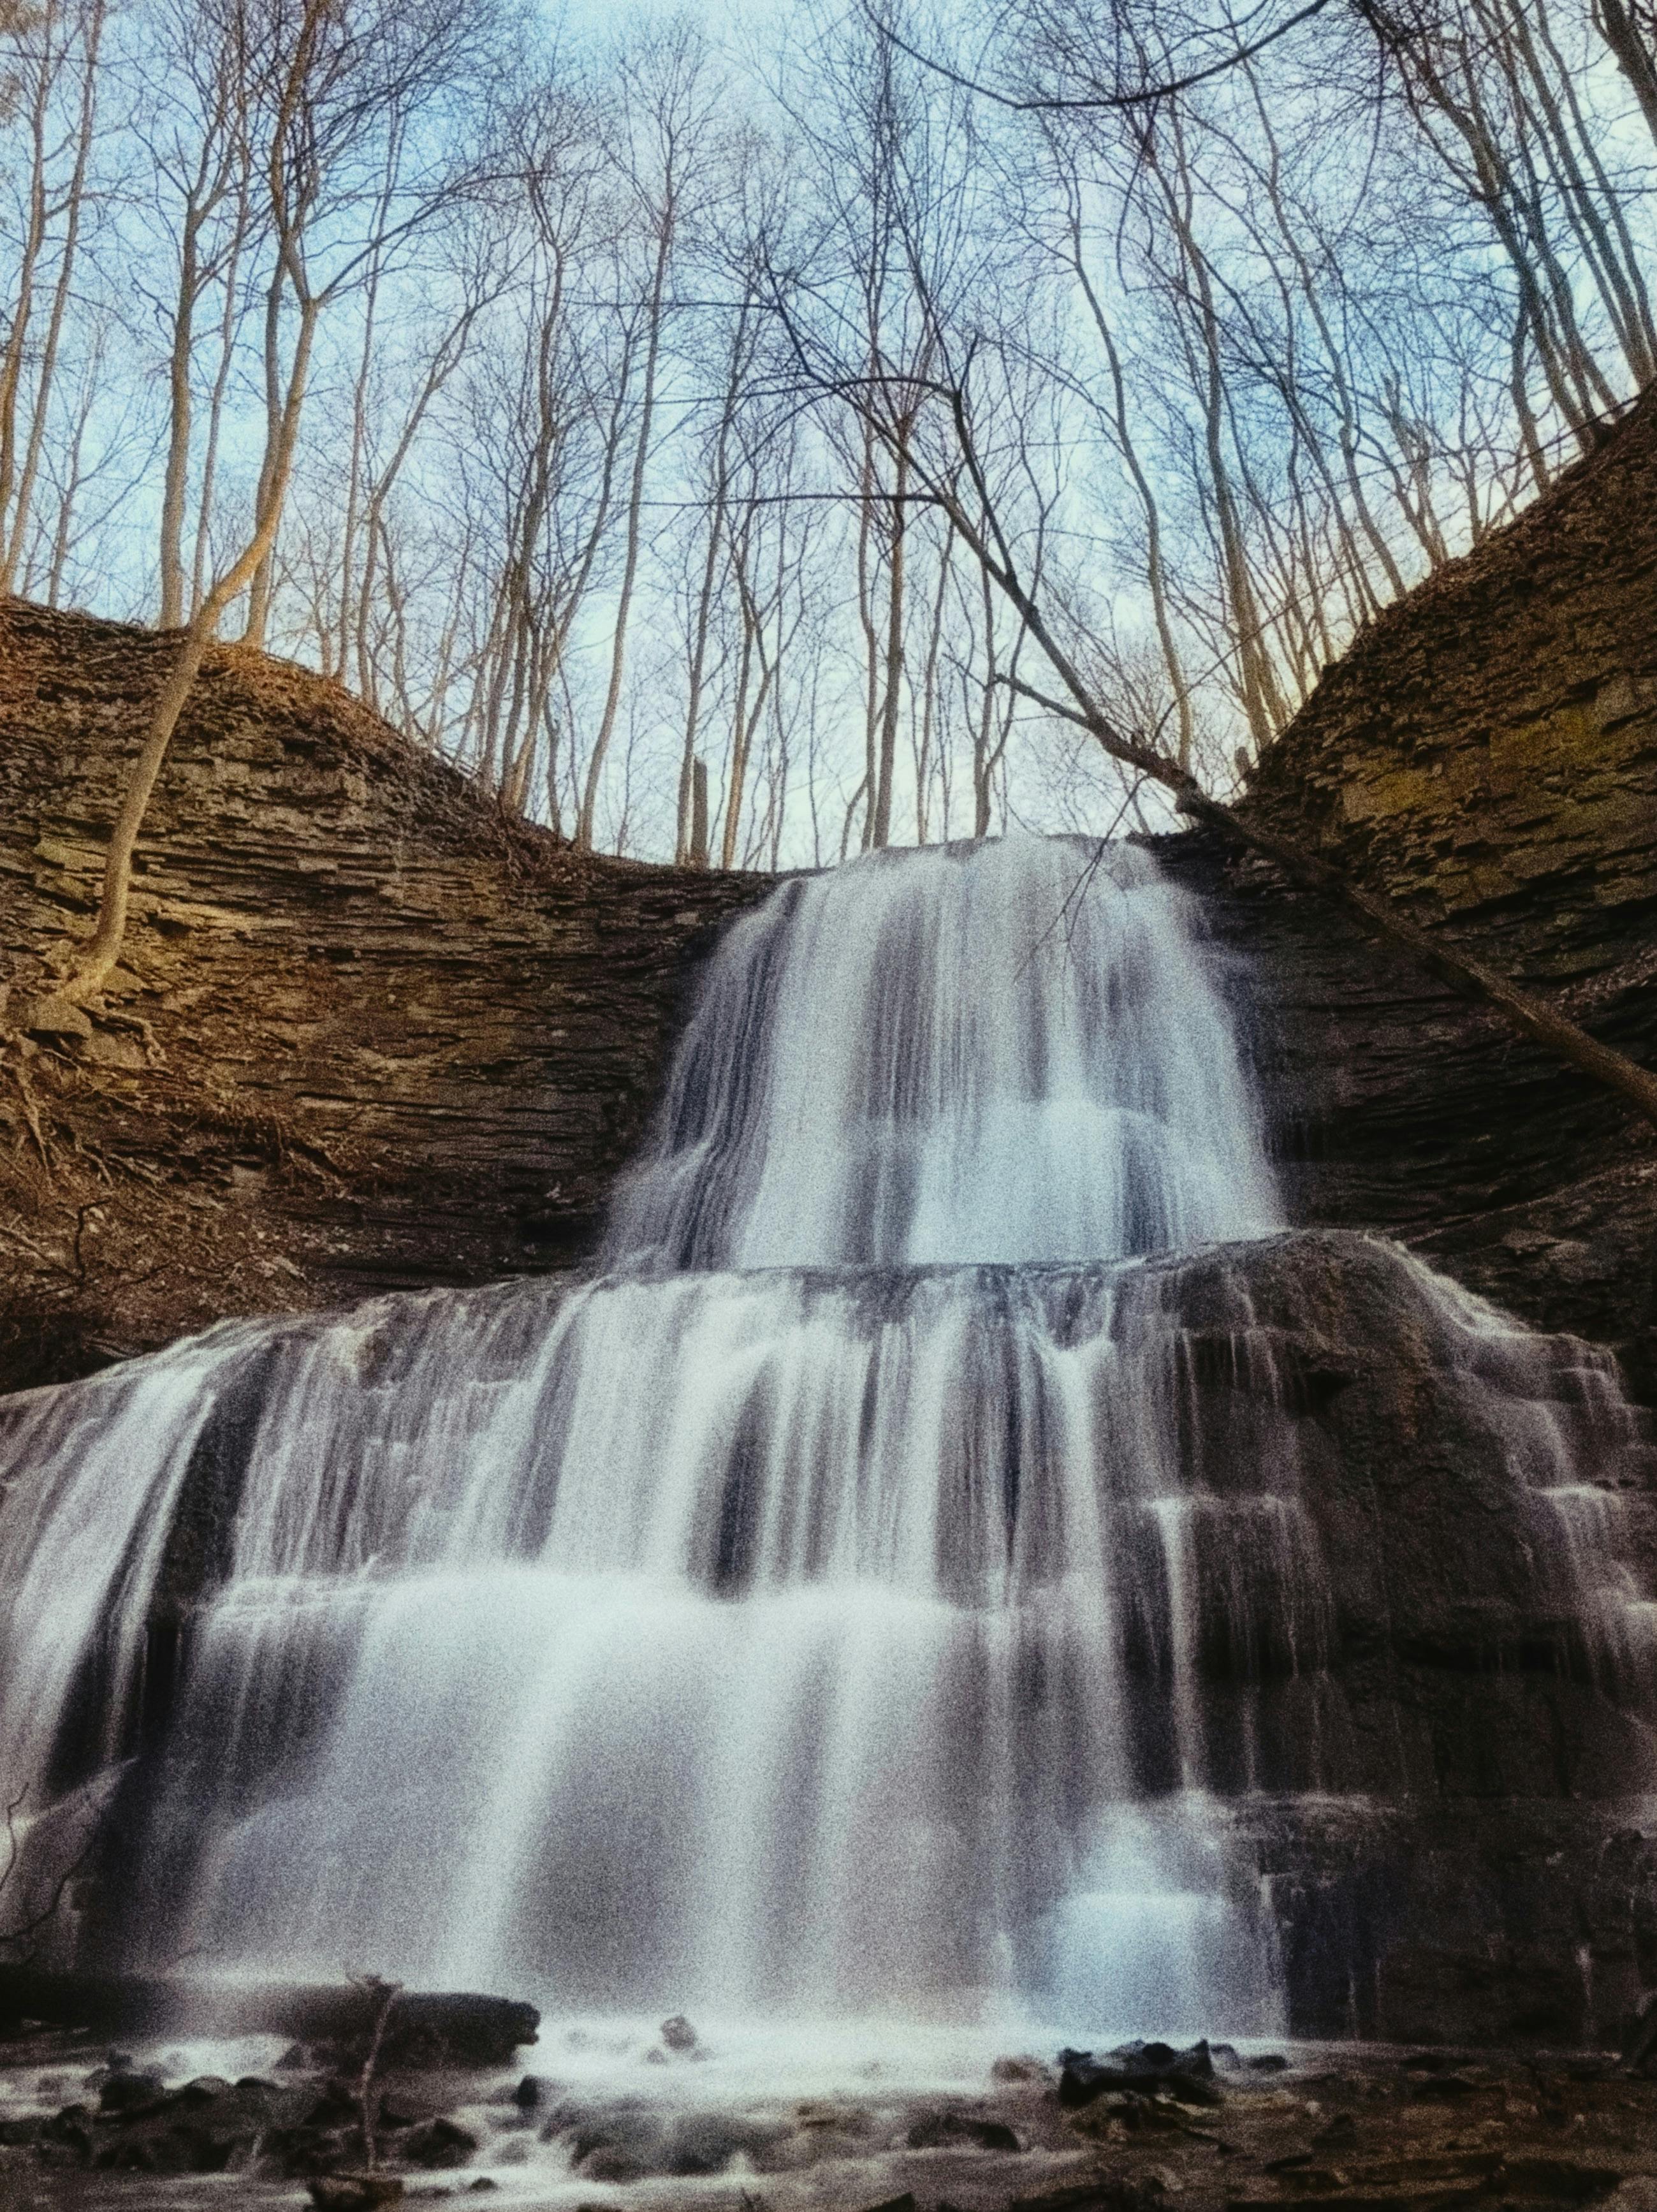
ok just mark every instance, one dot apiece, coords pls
pixel 1011 1051
pixel 825 1611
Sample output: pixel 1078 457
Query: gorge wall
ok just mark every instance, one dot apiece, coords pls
pixel 1487 754
pixel 370 1034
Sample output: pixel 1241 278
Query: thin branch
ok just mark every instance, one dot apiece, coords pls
pixel 1146 96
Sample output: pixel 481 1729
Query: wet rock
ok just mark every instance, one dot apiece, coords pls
pixel 206 2127
pixel 333 2024
pixel 206 2088
pixel 949 2130
pixel 677 2034
pixel 1196 2061
pixel 609 2162
pixel 130 2093
pixel 1445 2088
pixel 1187 2075
pixel 1128 2111
pixel 438 2143
pixel 705 2142
pixel 355 2193
pixel 1022 2068
pixel 335 2101
pixel 69 2130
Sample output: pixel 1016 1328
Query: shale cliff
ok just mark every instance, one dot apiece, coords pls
pixel 370 1034
pixel 1487 754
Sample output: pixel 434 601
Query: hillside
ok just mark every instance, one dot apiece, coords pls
pixel 369 1032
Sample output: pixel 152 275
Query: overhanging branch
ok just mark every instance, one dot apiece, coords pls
pixel 1140 96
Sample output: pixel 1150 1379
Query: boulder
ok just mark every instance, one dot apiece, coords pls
pixel 437 2143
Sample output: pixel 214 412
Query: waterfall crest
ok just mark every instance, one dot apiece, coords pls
pixel 878 1590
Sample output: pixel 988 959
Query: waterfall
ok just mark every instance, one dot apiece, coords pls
pixel 1010 1051
pixel 874 1591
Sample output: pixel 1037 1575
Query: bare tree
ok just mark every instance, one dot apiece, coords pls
pixel 298 71
pixel 948 465
pixel 671 118
pixel 196 132
pixel 64 45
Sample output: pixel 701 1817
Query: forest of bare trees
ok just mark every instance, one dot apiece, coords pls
pixel 582 398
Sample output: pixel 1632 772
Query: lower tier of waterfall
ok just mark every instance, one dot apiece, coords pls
pixel 1088 1638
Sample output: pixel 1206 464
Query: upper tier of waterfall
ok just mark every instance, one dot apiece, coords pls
pixel 1013 1050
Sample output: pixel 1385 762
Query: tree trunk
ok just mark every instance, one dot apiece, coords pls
pixel 176 483
pixel 630 561
pixel 59 304
pixel 881 830
pixel 699 814
pixel 94 959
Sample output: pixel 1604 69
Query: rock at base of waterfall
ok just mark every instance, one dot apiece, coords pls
pixel 355 2193
pixel 1142 2069
pixel 438 2143
pixel 331 2027
pixel 949 2130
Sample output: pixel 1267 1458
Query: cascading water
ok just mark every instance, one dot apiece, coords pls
pixel 848 1600
pixel 1013 1051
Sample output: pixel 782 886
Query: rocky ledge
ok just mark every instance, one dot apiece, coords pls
pixel 369 1032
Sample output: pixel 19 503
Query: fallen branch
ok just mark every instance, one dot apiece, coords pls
pixel 1532 1017
pixel 986 538
pixel 385 1995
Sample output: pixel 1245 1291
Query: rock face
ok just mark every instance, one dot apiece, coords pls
pixel 1487 753
pixel 368 1032
pixel 1400 1108
pixel 1488 749
pixel 1402 1643
pixel 1481 1863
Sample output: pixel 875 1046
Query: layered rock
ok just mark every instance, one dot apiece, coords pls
pixel 1389 1614
pixel 367 1031
pixel 1486 753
